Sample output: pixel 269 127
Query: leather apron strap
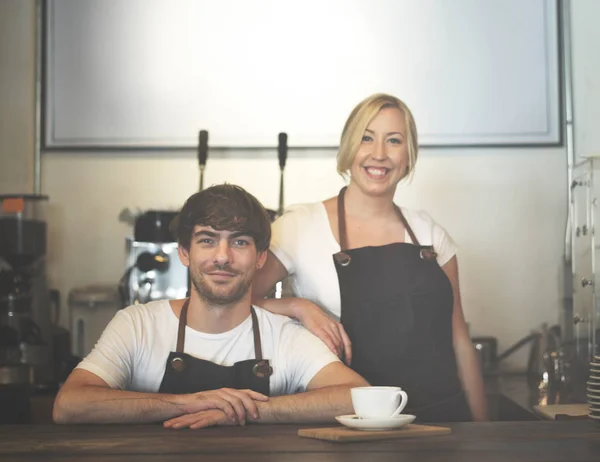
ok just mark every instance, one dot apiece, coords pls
pixel 182 324
pixel 342 222
pixel 256 332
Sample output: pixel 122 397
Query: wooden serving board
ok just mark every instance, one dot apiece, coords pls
pixel 550 411
pixel 344 434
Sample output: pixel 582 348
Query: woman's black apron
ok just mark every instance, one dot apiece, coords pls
pixel 397 308
pixel 186 374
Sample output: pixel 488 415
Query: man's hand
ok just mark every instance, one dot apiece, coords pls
pixel 200 419
pixel 233 403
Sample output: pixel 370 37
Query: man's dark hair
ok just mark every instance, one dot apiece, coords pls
pixel 224 207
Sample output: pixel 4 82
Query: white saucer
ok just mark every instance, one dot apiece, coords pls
pixel 388 423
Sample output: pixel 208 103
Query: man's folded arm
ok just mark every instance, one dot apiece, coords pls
pixel 327 396
pixel 86 398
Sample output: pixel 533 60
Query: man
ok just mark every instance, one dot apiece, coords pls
pixel 199 362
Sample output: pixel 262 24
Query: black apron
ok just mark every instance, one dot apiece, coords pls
pixel 186 374
pixel 397 308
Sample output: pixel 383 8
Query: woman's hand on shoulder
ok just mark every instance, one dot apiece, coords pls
pixel 330 331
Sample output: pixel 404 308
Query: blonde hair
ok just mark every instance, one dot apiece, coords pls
pixel 358 121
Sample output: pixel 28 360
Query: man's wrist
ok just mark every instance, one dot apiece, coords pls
pixel 262 410
pixel 178 402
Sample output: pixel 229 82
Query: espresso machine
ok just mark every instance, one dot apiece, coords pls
pixel 154 271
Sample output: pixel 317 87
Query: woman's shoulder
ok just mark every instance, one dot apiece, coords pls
pixel 430 232
pixel 302 214
pixel 418 218
pixel 306 208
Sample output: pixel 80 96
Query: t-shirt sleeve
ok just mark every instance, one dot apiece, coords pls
pixel 112 357
pixel 443 244
pixel 286 236
pixel 429 232
pixel 305 355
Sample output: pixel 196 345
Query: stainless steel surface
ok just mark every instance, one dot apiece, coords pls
pixel 155 285
pixel 281 188
pixel 283 289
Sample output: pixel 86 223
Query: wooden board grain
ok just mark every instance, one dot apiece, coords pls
pixel 550 411
pixel 344 434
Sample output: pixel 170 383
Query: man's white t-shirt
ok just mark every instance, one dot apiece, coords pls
pixel 133 349
pixel 303 242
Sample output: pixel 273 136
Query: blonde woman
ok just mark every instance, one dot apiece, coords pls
pixel 379 283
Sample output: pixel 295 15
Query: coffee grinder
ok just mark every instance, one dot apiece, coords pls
pixel 26 356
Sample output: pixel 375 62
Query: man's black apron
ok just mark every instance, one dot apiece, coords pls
pixel 186 374
pixel 397 308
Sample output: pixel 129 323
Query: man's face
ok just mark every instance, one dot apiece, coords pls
pixel 222 264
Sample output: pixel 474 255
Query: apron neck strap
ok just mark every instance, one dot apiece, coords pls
pixel 183 323
pixel 256 333
pixel 342 222
pixel 413 238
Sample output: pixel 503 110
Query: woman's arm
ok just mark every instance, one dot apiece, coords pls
pixel 264 280
pixel 312 317
pixel 468 365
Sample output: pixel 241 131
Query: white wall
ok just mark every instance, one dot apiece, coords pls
pixel 505 207
pixel 17 96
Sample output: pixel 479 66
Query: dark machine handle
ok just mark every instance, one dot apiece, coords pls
pixel 282 149
pixel 202 147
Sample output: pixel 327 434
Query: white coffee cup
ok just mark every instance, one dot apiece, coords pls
pixel 378 402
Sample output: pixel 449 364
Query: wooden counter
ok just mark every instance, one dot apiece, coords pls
pixel 493 442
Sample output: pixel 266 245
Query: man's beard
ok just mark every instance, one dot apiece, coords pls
pixel 230 293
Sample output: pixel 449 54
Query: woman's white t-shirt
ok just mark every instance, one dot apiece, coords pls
pixel 303 242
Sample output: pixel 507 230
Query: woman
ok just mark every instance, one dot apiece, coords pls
pixel 389 274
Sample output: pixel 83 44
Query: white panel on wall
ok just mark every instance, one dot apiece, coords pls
pixel 149 73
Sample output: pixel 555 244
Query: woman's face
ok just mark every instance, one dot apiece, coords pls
pixel 382 158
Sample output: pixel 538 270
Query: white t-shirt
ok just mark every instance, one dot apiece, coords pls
pixel 303 242
pixel 133 349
